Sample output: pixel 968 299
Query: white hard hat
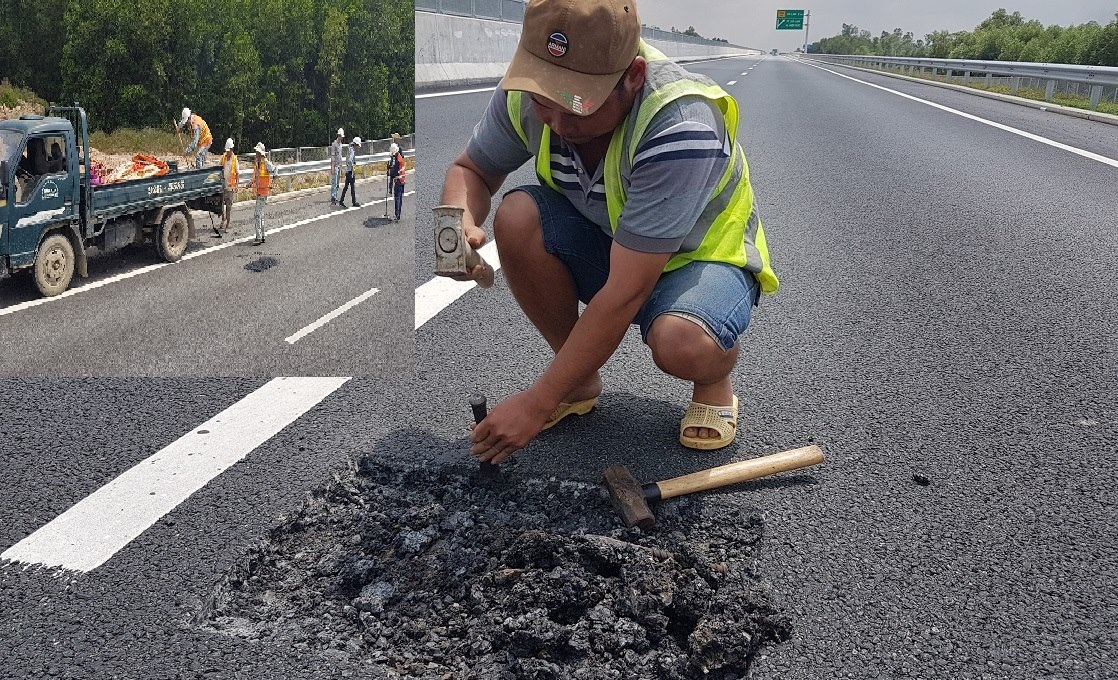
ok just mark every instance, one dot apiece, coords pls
pixel 357 141
pixel 341 132
pixel 229 144
pixel 185 115
pixel 259 147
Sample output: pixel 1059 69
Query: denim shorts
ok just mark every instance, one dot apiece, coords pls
pixel 720 297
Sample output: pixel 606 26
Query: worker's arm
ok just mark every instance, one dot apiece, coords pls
pixel 194 143
pixel 517 420
pixel 471 188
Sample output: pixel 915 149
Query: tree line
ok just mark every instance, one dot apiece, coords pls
pixel 1002 37
pixel 284 72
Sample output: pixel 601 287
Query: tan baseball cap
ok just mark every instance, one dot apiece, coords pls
pixel 574 51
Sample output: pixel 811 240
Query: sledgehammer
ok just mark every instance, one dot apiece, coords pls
pixel 454 256
pixel 632 500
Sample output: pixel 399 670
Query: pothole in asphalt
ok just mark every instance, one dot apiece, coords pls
pixel 261 263
pixel 442 574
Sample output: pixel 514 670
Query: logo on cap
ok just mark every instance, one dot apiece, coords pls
pixel 557 44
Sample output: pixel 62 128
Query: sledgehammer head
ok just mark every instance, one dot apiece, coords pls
pixel 628 498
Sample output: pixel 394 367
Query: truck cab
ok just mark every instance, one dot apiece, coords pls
pixel 38 158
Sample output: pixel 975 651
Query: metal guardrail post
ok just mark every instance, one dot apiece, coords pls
pixel 1096 96
pixel 1049 90
pixel 1015 86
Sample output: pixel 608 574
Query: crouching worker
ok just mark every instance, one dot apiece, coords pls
pixel 643 211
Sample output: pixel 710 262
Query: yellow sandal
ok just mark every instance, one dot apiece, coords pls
pixel 722 419
pixel 578 408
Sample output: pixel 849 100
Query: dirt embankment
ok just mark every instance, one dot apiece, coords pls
pixel 110 161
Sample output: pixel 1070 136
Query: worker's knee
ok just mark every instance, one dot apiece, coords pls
pixel 683 348
pixel 517 219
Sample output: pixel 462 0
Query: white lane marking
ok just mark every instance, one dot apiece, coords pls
pixel 451 94
pixel 189 256
pixel 89 533
pixel 1001 126
pixel 331 316
pixel 438 293
pixel 732 82
pixel 745 73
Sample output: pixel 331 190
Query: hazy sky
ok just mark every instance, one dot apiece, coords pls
pixel 752 23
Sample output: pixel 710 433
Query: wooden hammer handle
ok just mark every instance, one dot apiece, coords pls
pixel 742 471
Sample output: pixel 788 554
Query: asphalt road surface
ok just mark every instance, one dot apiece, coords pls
pixel 947 314
pixel 326 294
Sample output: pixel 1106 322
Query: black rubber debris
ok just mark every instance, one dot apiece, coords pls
pixel 438 574
pixel 261 263
pixel 921 480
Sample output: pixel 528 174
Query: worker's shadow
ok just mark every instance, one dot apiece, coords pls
pixel 625 429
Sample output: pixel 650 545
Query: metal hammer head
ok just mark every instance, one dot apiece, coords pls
pixel 628 497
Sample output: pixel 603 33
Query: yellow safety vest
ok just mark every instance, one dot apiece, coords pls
pixel 734 234
pixel 231 177
pixel 204 138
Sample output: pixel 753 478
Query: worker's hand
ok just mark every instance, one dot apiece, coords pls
pixel 476 237
pixel 509 427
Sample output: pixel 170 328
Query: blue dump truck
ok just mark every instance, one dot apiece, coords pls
pixel 52 211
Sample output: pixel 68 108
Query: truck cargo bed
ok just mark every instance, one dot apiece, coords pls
pixel 151 193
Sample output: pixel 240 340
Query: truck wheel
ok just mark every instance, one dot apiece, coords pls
pixel 54 265
pixel 173 236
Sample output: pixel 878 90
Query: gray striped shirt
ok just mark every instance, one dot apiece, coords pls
pixel 677 166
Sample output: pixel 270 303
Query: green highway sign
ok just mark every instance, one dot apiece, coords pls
pixel 790 19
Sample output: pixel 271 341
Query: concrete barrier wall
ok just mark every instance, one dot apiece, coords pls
pixel 455 51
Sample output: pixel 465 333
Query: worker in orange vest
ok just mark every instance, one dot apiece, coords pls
pixel 202 137
pixel 262 172
pixel 229 169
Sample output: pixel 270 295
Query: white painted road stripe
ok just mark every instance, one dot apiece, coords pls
pixel 331 316
pixel 1027 135
pixel 189 256
pixel 88 534
pixel 732 82
pixel 438 293
pixel 450 94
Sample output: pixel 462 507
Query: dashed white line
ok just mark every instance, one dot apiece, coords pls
pixel 330 317
pixel 732 82
pixel 438 293
pixel 91 532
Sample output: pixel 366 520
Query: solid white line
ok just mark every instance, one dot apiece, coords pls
pixel 189 256
pixel 732 82
pixel 438 293
pixel 89 533
pixel 451 94
pixel 1027 135
pixel 331 316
